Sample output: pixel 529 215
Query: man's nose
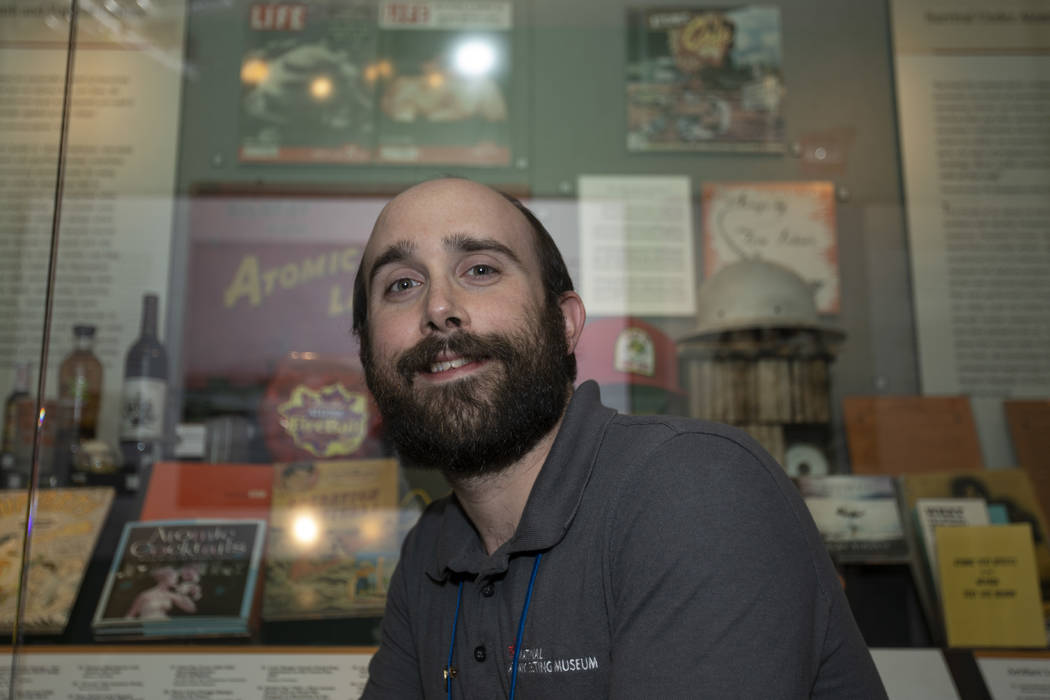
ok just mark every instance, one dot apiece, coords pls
pixel 444 310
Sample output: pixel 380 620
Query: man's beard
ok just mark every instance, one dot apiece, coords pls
pixel 477 424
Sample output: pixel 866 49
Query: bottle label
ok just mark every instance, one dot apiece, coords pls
pixel 142 409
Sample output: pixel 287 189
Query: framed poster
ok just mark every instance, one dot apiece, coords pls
pixel 791 223
pixel 704 79
pixel 444 82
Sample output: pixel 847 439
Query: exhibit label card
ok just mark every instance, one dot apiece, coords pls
pixel 636 245
pixel 790 223
pixel 989 587
pixel 1023 676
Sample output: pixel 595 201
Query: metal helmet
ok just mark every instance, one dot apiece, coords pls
pixel 757 293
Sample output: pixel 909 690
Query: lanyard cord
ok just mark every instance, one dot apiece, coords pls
pixel 450 672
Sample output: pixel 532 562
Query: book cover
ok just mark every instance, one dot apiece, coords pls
pixel 934 513
pixel 989 588
pixel 1008 490
pixel 184 490
pixel 182 578
pixel 857 516
pixel 334 539
pixel 65 530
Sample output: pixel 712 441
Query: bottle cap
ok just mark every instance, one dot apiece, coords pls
pixel 84 331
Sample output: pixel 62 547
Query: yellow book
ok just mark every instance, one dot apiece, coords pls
pixel 989 587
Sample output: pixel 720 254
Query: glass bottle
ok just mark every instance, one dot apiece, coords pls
pixel 80 382
pixel 19 390
pixel 143 398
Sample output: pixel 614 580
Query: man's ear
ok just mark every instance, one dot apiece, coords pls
pixel 575 316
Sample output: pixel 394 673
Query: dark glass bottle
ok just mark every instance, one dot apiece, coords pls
pixel 20 390
pixel 80 383
pixel 143 399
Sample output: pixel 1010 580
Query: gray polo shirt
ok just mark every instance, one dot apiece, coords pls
pixel 678 561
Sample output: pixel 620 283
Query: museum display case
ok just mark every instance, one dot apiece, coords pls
pixel 824 223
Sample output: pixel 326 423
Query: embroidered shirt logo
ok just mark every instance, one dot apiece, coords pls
pixel 533 660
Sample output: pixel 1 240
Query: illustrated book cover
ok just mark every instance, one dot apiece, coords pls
pixel 857 516
pixel 66 527
pixel 705 79
pixel 182 578
pixel 334 539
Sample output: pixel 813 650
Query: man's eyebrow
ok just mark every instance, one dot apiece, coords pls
pixel 402 250
pixel 471 244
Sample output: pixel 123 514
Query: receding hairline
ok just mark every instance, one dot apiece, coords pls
pixel 367 265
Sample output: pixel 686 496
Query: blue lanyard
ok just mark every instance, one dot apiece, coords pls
pixel 450 671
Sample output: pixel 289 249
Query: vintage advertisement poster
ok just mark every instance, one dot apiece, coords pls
pixel 308 78
pixel 705 79
pixel 271 276
pixel 790 223
pixel 444 78
pixel 334 539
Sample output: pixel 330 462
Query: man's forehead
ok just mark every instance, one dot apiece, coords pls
pixel 445 211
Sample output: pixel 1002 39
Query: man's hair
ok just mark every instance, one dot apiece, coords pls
pixel 555 275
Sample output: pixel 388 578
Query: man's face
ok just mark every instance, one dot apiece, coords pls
pixel 462 352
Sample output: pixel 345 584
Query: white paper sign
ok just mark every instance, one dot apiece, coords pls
pixel 1016 678
pixel 636 245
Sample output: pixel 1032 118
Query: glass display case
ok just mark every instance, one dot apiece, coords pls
pixel 824 223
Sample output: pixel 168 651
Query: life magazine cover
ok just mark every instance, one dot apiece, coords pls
pixel 705 79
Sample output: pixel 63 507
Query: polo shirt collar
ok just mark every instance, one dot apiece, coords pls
pixel 552 503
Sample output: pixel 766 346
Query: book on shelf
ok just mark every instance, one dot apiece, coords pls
pixel 1003 490
pixel 66 528
pixel 1029 422
pixel 911 434
pixel 934 513
pixel 183 490
pixel 857 516
pixel 334 539
pixel 182 578
pixel 989 588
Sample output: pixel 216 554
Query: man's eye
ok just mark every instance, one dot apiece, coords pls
pixel 482 270
pixel 402 285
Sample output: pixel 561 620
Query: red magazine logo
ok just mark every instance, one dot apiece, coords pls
pixel 278 18
pixel 406 13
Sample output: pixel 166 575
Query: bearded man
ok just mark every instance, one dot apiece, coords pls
pixel 583 553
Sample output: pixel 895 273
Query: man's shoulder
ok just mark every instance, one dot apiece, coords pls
pixel 701 442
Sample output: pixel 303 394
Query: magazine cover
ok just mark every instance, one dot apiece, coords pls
pixel 65 531
pixel 857 516
pixel 334 539
pixel 704 79
pixel 444 82
pixel 308 75
pixel 182 578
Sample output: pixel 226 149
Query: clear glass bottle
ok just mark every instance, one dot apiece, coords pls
pixel 80 382
pixel 143 398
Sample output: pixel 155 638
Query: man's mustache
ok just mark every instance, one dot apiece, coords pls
pixel 464 344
